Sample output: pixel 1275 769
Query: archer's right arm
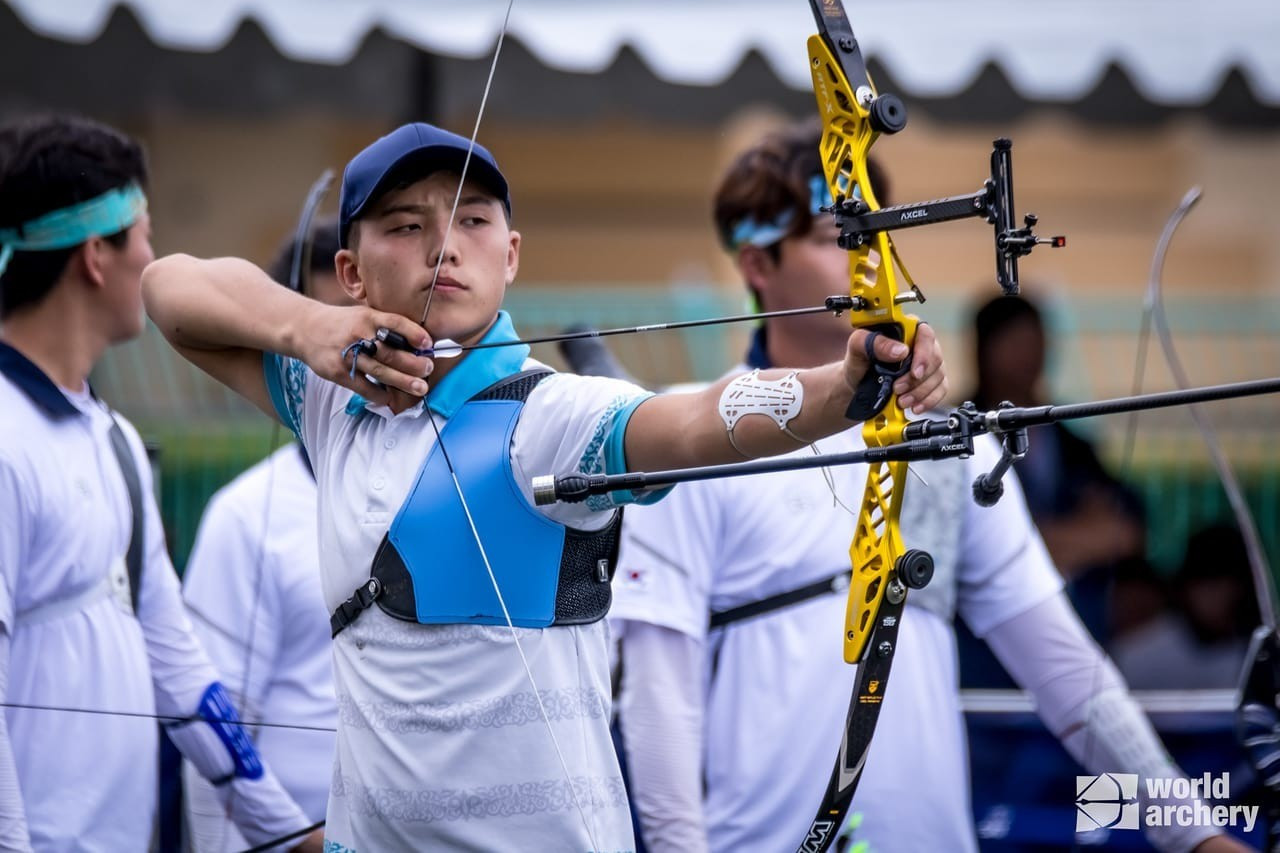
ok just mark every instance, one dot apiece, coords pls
pixel 223 314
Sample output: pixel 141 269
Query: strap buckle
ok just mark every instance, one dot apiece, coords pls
pixel 361 600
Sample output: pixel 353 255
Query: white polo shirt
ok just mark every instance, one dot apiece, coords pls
pixel 441 744
pixel 252 586
pixel 778 688
pixel 87 780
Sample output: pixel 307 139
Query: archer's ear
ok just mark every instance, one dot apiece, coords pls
pixel 347 267
pixel 755 265
pixel 90 259
pixel 513 257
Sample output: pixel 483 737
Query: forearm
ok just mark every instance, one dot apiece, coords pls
pixel 221 304
pixel 822 394
pixel 204 721
pixel 1085 703
pixel 661 712
pixel 217 744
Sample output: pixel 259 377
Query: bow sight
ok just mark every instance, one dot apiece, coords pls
pixel 994 202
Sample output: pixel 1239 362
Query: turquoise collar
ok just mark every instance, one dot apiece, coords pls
pixel 478 369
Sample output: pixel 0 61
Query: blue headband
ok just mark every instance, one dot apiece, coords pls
pixel 109 213
pixel 749 232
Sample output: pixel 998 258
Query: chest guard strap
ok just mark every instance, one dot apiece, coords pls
pixel 429 568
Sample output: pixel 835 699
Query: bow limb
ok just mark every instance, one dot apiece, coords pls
pixel 853 117
pixel 1154 308
pixel 1257 722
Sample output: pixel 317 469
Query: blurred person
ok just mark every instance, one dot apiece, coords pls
pixel 730 604
pixel 252 587
pixel 455 729
pixel 1201 642
pixel 94 640
pixel 1089 520
pixel 1139 596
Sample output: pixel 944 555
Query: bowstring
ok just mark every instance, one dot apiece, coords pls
pixel 453 475
pixel 299 273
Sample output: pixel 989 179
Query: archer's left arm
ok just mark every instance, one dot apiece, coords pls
pixel 816 408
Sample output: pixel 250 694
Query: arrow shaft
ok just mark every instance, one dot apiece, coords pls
pixel 923 439
pixel 835 305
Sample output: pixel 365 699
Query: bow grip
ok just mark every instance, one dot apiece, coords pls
pixel 876 386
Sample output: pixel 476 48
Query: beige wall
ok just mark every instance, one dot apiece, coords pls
pixel 614 202
pixel 617 203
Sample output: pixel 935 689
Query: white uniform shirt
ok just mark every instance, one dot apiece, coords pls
pixel 441 744
pixel 778 688
pixel 252 586
pixel 87 780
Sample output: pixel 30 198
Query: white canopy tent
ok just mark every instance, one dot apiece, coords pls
pixel 1177 53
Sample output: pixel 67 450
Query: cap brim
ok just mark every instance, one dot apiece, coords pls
pixel 420 162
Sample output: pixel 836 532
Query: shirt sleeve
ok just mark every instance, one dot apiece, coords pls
pixel 666 561
pixel 661 713
pixel 1084 702
pixel 286 384
pixel 14 834
pixel 180 669
pixel 1005 568
pixel 576 424
pixel 232 595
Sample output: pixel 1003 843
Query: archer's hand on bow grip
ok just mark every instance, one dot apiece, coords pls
pixel 875 368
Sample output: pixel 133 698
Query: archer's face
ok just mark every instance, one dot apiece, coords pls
pixel 809 268
pixel 402 239
pixel 122 276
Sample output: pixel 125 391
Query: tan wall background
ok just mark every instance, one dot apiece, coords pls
pixel 614 203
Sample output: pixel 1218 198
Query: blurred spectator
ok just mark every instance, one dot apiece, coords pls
pixel 1090 522
pixel 1201 642
pixel 1139 596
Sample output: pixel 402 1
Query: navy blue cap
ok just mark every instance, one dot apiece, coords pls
pixel 412 151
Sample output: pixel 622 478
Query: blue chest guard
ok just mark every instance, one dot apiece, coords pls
pixel 429 567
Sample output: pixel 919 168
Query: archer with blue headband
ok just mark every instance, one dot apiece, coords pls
pixel 729 592
pixel 95 644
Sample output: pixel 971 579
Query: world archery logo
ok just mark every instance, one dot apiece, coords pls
pixel 1107 801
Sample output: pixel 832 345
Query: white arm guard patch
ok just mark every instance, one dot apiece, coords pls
pixel 778 399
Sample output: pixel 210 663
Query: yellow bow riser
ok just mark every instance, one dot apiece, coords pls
pixel 847 137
